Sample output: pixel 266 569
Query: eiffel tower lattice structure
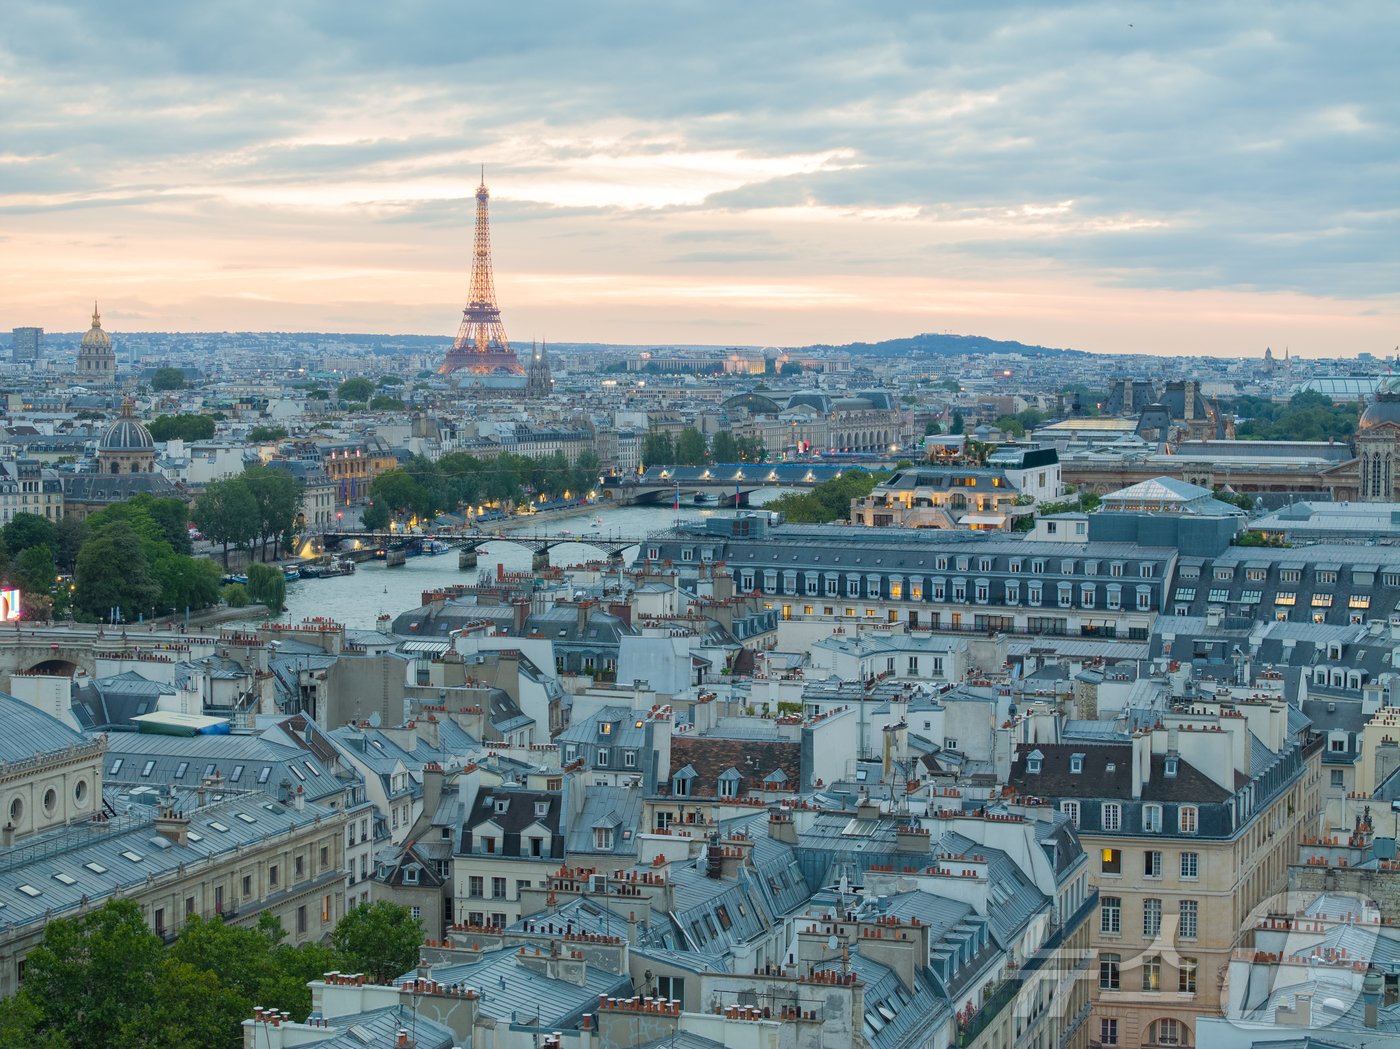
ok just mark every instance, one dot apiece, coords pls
pixel 481 346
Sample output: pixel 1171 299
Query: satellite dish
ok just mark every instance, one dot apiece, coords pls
pixel 833 941
pixel 374 719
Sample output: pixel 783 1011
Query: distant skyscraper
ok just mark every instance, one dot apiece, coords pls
pixel 537 379
pixel 27 345
pixel 481 346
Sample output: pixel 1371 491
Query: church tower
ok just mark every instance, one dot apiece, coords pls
pixel 538 383
pixel 97 362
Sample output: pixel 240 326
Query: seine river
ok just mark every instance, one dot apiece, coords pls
pixel 357 600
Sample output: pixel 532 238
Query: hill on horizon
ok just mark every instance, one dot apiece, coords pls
pixel 946 345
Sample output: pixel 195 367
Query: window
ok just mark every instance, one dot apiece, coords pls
pixel 301 920
pixel 1186 976
pixel 1071 809
pixel 1110 975
pixel 1165 1032
pixel 1190 864
pixel 180 769
pixel 1186 818
pixel 1110 915
pixel 498 888
pixel 326 910
pixel 1112 861
pixel 1151 917
pixel 272 874
pixel 475 886
pixel 1152 864
pixel 116 767
pixel 299 867
pixel 1108 1031
pixel 1152 973
pixel 1152 818
pixel 602 759
pixel 671 988
pixel 247 885
pixel 603 838
pixel 1186 928
pixel 629 759
pixel 1076 763
pixel 1112 816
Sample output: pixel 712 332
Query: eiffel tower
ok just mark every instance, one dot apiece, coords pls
pixel 481 346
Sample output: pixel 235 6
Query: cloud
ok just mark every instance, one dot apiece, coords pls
pixel 1246 147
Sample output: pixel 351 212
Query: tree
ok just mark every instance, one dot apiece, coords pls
pixel 317 393
pixel 183 427
pixel 828 501
pixel 657 449
pixel 262 434
pixel 382 402
pixel 751 450
pixel 35 570
pixel 957 425
pixel 69 537
pixel 26 530
pixel 277 494
pixel 168 379
pixel 587 469
pixel 375 517
pixel 790 368
pixel 389 380
pixel 267 586
pixel 690 448
pixel 188 1008
pixel 379 939
pixel 91 974
pixel 187 582
pixel 226 512
pixel 114 572
pixel 355 390
pixel 173 517
pixel 22 1022
pixel 400 494
pixel 725 448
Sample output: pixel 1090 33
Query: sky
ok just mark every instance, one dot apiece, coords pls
pixel 1171 178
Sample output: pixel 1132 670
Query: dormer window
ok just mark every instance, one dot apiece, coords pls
pixel 729 783
pixel 1034 760
pixel 605 728
pixel 1171 765
pixel 541 808
pixel 410 876
pixel 502 805
pixel 1076 763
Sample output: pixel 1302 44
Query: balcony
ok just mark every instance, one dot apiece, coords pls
pixel 992 1004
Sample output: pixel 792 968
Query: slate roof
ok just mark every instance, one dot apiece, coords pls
pixel 26 731
pixel 379 1027
pixel 112 702
pixel 519 815
pixel 513 992
pixel 243 762
pixel 1096 781
pixel 712 756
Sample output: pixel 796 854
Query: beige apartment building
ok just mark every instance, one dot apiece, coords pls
pixel 1189 829
pixel 236 854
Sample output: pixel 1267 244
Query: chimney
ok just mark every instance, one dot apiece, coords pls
pixel 1142 761
pixel 781 827
pixel 172 824
pixel 299 798
pixel 1371 986
pixel 7 836
pixel 432 787
pixel 583 607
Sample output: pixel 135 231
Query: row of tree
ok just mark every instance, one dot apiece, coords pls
pixel 1308 416
pixel 255 511
pixel 105 981
pixel 689 449
pixel 422 488
pixel 131 559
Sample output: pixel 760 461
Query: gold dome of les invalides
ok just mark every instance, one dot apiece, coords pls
pixel 96 338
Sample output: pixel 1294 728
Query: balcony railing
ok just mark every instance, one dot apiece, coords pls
pixel 991 1005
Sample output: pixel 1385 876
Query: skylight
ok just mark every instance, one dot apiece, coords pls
pixel 216 825
pixel 65 879
pixel 246 818
pixel 134 857
pixel 29 890
pixel 96 868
